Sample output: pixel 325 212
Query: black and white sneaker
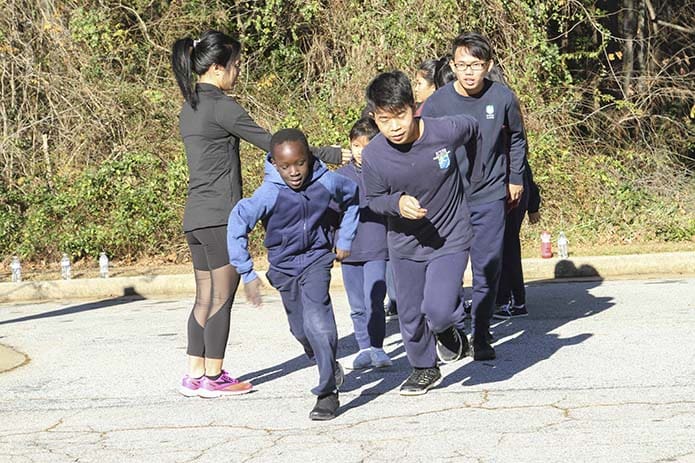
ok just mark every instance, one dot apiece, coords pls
pixel 391 310
pixel 467 308
pixel 451 345
pixel 326 407
pixel 507 311
pixel 420 381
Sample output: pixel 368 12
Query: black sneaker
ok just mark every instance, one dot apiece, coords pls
pixel 420 381
pixel 507 311
pixel 452 345
pixel 325 408
pixel 483 350
pixel 391 311
pixel 467 308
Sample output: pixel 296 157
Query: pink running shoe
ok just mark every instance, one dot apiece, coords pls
pixel 224 385
pixel 190 387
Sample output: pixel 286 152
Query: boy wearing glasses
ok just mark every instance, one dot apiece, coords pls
pixel 494 180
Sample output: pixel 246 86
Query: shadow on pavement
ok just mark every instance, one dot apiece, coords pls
pixel 527 341
pixel 530 340
pixel 386 378
pixel 129 295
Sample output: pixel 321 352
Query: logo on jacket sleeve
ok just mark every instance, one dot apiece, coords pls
pixel 489 111
pixel 442 157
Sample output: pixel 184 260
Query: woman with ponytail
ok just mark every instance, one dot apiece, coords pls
pixel 211 125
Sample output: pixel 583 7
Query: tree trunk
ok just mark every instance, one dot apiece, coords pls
pixel 629 28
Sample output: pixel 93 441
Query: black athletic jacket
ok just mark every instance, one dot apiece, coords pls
pixel 211 135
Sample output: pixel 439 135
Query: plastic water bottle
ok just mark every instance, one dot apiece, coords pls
pixel 65 271
pixel 103 265
pixel 546 245
pixel 16 268
pixel 562 248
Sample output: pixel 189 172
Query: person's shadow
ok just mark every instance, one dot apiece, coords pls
pixel 530 340
pixel 384 379
pixel 129 295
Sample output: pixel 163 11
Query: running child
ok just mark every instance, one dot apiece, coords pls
pixel 412 176
pixel 292 203
pixel 364 272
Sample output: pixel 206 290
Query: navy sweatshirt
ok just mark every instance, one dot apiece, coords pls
pixel 295 222
pixel 211 135
pixel 370 240
pixel 427 169
pixel 502 132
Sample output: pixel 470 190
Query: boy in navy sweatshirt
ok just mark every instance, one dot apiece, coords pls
pixel 412 176
pixel 495 180
pixel 292 203
pixel 364 272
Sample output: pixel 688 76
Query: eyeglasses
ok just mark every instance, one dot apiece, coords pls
pixel 477 66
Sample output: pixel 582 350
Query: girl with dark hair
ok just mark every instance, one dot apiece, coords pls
pixel 443 74
pixel 424 81
pixel 211 125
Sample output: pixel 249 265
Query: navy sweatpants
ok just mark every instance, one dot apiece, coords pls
pixel 486 262
pixel 310 315
pixel 365 284
pixel 512 277
pixel 427 291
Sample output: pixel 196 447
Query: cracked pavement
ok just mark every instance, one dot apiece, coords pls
pixel 599 371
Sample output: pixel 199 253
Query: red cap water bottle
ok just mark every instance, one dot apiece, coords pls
pixel 546 245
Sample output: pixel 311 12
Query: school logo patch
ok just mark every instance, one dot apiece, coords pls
pixel 443 159
pixel 490 111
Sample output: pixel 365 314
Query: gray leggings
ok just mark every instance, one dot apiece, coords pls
pixel 216 283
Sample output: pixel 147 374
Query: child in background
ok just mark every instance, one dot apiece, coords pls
pixel 424 82
pixel 292 203
pixel 364 271
pixel 511 295
pixel 443 75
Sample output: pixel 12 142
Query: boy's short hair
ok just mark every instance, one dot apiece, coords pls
pixel 390 91
pixel 476 44
pixel 285 135
pixel 364 127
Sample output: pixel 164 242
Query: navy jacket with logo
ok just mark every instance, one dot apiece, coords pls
pixel 298 230
pixel 427 169
pixel 502 153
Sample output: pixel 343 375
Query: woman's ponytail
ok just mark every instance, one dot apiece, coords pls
pixel 189 57
pixel 182 65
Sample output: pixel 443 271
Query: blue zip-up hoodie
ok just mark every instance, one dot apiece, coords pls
pixel 296 222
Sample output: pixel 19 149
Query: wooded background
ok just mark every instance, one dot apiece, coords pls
pixel 91 159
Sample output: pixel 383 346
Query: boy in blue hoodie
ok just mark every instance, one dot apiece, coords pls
pixel 293 205
pixel 364 272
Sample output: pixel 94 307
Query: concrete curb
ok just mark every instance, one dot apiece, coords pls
pixel 149 286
